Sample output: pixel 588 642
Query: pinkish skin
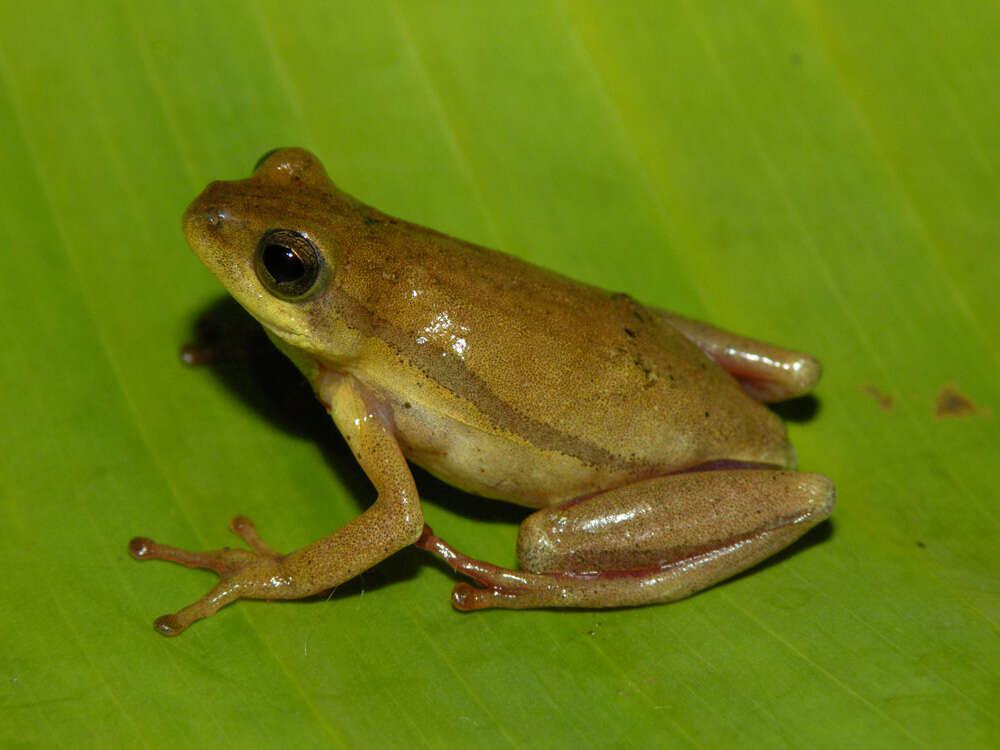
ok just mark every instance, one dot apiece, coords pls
pixel 636 433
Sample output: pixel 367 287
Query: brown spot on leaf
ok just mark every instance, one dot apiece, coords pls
pixel 884 400
pixel 951 403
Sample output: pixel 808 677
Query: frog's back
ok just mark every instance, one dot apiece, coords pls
pixel 563 367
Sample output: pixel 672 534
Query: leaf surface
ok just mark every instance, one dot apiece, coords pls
pixel 823 175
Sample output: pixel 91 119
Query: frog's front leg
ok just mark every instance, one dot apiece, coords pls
pixel 653 541
pixel 393 521
pixel 766 372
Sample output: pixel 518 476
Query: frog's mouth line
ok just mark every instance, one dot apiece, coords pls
pixel 280 330
pixel 283 334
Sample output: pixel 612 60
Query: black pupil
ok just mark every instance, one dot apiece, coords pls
pixel 283 264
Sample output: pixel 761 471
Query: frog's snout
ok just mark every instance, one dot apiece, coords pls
pixel 207 214
pixel 206 204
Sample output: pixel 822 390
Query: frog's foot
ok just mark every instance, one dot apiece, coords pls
pixel 501 587
pixel 522 589
pixel 254 573
pixel 654 541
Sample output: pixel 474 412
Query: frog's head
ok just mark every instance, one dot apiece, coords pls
pixel 267 239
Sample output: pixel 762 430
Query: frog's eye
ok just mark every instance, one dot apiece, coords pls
pixel 287 263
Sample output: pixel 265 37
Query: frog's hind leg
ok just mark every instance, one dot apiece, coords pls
pixel 654 541
pixel 766 372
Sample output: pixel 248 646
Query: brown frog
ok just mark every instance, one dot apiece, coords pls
pixel 637 433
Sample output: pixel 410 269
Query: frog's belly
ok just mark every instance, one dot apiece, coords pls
pixel 505 466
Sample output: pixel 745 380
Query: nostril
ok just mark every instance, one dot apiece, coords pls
pixel 201 219
pixel 216 211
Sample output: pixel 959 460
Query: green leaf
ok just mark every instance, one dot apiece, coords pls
pixel 823 175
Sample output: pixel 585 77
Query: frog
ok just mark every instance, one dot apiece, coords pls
pixel 640 438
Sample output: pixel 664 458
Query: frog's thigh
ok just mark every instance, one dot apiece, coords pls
pixel 653 541
pixel 766 372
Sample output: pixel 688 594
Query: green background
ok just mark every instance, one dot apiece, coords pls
pixel 819 174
